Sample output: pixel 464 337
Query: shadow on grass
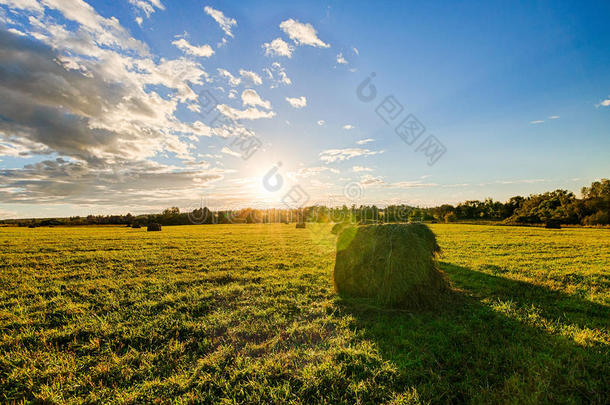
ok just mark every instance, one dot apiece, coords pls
pixel 569 309
pixel 465 351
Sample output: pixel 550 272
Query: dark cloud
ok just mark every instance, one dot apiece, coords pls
pixel 74 182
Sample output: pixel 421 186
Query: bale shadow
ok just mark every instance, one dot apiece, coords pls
pixel 550 304
pixel 465 351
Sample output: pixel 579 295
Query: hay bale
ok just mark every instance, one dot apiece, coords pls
pixel 553 224
pixel 395 265
pixel 154 228
pixel 300 225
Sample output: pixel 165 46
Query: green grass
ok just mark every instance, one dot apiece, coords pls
pixel 247 313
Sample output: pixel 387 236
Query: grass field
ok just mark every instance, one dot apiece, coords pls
pixel 247 313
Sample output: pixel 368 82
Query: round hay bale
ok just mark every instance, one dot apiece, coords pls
pixel 154 228
pixel 301 225
pixel 395 265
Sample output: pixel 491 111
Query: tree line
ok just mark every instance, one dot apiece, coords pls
pixel 560 206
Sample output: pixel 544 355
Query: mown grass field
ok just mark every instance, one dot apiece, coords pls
pixel 247 314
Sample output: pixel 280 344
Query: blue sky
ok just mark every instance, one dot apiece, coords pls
pixel 100 102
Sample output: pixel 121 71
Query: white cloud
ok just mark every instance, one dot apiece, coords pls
pixel 321 123
pixel 147 6
pixel 97 102
pixel 139 21
pixel 233 81
pixel 361 169
pixel 369 180
pixel 302 34
pixel 107 31
pixel 341 59
pixel 30 5
pixel 554 117
pixel 356 51
pixel 414 184
pixel 297 102
pixel 348 127
pixel 228 151
pixel 604 103
pixel 16 32
pixel 203 51
pixel 334 155
pixel 194 108
pixel 280 76
pixel 313 171
pixel 224 22
pixel 87 91
pixel 247 114
pixel 536 122
pixel 251 76
pixel 278 47
pixel 251 97
pixel 365 141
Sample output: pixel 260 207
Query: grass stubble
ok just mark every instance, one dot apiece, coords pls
pixel 247 314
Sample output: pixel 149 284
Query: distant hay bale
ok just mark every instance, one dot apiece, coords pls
pixel 136 226
pixel 154 228
pixel 300 225
pixel 553 224
pixel 393 264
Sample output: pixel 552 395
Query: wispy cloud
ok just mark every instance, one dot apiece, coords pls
pixel 229 152
pixel 348 127
pixel 334 155
pixel 204 51
pixel 554 117
pixel 146 6
pixel 358 169
pixel 224 22
pixel 341 59
pixel 233 81
pixel 536 122
pixel 277 74
pixel 312 171
pixel 297 102
pixel 302 34
pixel 604 103
pixel 247 114
pixel 365 141
pixel 251 76
pixel 321 123
pixel 278 47
pixel 250 97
